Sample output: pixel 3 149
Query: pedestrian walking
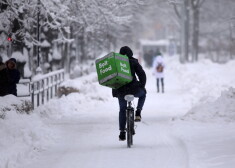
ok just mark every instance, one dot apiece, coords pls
pixel 158 71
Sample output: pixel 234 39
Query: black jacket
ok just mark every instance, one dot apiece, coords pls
pixel 13 79
pixel 136 84
pixel 3 80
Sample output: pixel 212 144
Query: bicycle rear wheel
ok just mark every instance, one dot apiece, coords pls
pixel 130 127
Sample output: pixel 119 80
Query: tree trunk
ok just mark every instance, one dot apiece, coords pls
pixel 195 34
pixel 184 32
pixel 83 47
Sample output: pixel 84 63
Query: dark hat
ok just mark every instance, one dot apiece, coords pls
pixel 13 60
pixel 126 51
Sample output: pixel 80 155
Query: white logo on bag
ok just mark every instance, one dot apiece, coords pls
pixel 102 71
pixel 123 66
pixel 103 65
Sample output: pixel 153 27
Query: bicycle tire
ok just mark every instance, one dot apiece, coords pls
pixel 130 126
pixel 129 132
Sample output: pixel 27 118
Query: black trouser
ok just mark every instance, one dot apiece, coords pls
pixel 123 105
pixel 162 82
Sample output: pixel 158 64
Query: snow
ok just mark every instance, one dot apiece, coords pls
pixel 191 125
pixel 45 44
pixel 222 109
pixel 4 57
pixel 27 71
pixel 40 77
pixel 56 54
pixel 18 56
pixel 164 42
pixel 22 136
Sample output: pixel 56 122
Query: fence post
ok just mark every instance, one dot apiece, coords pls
pixel 56 81
pixel 47 89
pixel 43 89
pixel 32 94
pixel 38 93
pixel 62 77
pixel 51 86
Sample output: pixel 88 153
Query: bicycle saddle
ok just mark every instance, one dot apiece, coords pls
pixel 129 98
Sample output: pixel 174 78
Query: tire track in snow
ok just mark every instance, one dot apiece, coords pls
pixel 171 150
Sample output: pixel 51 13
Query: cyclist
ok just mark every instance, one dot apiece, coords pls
pixel 135 87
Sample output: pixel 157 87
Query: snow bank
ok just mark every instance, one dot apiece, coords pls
pixel 22 135
pixel 88 85
pixel 10 102
pixel 207 86
pixel 222 109
pixel 204 79
pixel 90 94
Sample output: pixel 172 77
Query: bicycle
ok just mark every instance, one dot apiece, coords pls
pixel 129 120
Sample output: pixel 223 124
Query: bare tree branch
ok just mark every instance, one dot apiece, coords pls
pixel 201 3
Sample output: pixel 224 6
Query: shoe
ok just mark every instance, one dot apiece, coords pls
pixel 122 136
pixel 137 118
pixel 138 115
pixel 133 133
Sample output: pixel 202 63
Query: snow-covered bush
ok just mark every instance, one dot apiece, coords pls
pixel 10 102
pixel 66 91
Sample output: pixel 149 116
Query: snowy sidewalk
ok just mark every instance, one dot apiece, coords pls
pixel 91 139
pixel 86 128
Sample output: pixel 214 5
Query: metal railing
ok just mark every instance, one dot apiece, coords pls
pixel 43 87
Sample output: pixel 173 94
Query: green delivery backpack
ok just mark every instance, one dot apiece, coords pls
pixel 113 70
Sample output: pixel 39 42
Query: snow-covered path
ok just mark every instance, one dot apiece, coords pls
pixel 82 128
pixel 91 139
pixel 85 145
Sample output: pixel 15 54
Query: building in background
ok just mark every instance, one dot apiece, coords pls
pixel 149 48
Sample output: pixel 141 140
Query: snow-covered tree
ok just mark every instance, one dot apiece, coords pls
pixel 217 29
